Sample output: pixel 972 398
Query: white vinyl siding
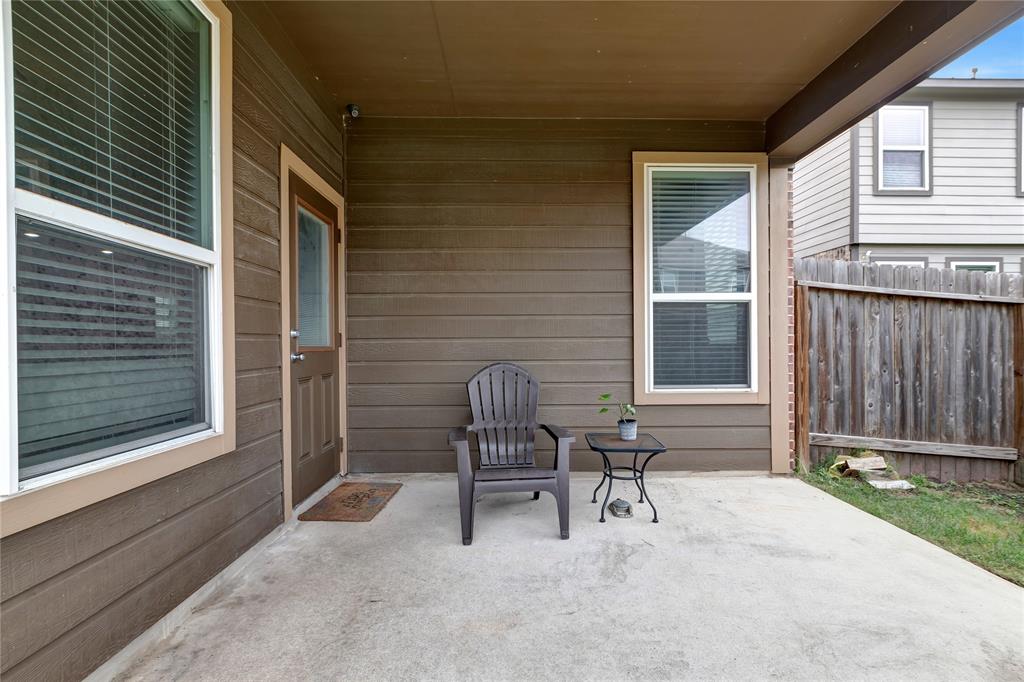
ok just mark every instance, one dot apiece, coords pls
pixel 935 255
pixel 821 198
pixel 974 198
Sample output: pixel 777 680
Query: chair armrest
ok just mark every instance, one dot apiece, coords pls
pixel 459 440
pixel 458 435
pixel 558 433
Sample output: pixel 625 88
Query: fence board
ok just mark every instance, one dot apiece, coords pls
pixel 923 356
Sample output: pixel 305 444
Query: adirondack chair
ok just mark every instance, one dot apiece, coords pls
pixel 503 398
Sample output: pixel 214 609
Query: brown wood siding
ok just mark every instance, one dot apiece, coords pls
pixel 472 241
pixel 79 588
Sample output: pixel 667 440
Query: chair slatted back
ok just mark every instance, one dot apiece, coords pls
pixel 504 398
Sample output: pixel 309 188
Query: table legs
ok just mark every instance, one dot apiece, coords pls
pixel 643 488
pixel 638 485
pixel 611 482
pixel 593 499
pixel 638 480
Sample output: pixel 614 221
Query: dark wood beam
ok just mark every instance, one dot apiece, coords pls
pixel 909 43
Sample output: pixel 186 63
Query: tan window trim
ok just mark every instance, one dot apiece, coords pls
pixel 104 479
pixel 641 395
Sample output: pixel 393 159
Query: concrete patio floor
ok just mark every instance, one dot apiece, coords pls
pixel 746 577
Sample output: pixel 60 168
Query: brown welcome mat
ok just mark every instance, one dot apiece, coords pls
pixel 353 501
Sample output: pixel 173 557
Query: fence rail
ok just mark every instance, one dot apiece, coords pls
pixel 925 365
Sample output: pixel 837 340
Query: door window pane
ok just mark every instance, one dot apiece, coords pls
pixel 701 344
pixel 313 259
pixel 112 110
pixel 700 228
pixel 902 168
pixel 111 348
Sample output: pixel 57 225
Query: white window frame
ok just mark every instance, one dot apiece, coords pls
pixel 926 160
pixel 644 165
pixel 26 503
pixel 958 264
pixel 1020 149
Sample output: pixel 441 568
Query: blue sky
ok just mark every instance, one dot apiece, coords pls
pixel 1001 56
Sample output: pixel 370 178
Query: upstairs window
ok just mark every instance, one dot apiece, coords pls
pixel 115 230
pixel 902 162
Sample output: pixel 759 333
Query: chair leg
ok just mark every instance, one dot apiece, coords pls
pixel 467 507
pixel 536 494
pixel 563 504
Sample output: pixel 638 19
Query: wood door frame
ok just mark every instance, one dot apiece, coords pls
pixel 291 163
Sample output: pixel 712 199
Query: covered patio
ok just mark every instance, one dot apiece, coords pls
pixel 746 577
pixel 382 198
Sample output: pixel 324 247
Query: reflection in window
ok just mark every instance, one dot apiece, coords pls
pixel 314 280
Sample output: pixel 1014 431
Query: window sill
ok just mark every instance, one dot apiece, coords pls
pixel 703 397
pixel 879 192
pixel 61 492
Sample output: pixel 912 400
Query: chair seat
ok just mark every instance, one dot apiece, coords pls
pixel 513 474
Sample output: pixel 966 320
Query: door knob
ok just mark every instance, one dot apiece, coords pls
pixel 298 357
pixel 294 333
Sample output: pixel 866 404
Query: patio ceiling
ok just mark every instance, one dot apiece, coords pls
pixel 700 60
pixel 808 70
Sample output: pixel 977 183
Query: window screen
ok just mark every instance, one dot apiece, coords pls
pixel 111 347
pixel 902 168
pixel 112 116
pixel 700 247
pixel 111 110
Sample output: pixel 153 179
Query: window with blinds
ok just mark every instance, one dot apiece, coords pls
pixel 111 110
pixel 903 147
pixel 111 347
pixel 115 251
pixel 699 250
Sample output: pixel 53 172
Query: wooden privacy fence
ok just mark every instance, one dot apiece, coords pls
pixel 923 365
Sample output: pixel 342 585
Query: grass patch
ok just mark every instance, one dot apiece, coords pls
pixel 983 523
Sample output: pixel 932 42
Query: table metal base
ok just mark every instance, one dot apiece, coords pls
pixel 635 475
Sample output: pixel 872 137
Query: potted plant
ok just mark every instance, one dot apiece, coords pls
pixel 627 426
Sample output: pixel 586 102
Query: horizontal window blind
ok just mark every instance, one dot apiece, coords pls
pixel 902 168
pixel 701 344
pixel 111 348
pixel 700 231
pixel 903 126
pixel 112 110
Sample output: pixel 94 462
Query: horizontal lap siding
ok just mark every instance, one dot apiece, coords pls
pixel 821 198
pixel 474 241
pixel 77 589
pixel 974 143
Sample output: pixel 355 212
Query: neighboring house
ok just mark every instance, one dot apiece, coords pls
pixel 941 186
pixel 218 291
